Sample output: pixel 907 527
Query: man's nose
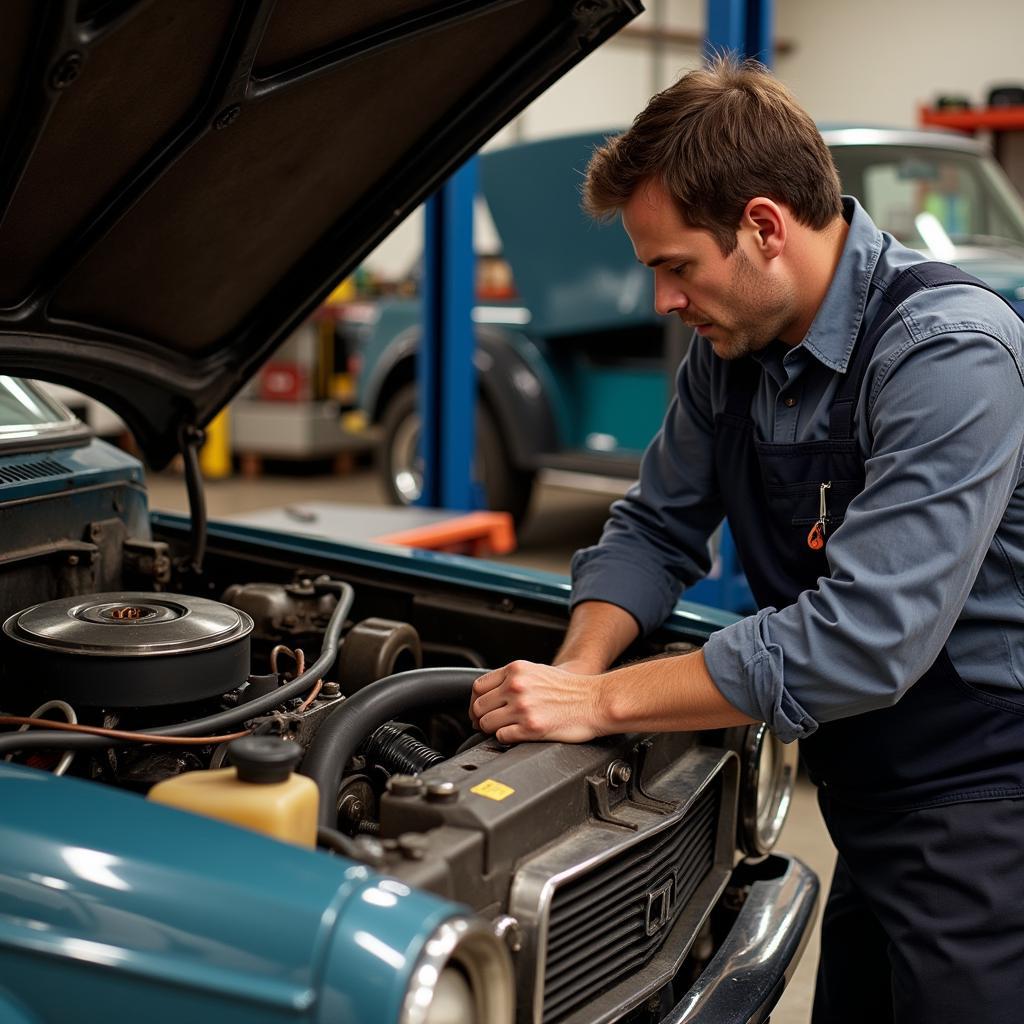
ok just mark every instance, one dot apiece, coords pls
pixel 668 297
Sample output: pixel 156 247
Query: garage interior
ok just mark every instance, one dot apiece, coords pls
pixel 323 425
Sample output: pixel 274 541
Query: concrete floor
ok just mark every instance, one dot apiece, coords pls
pixel 560 520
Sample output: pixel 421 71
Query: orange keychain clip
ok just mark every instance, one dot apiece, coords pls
pixel 816 538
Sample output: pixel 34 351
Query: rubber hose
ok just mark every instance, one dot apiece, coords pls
pixel 211 724
pixel 342 732
pixel 191 440
pixel 398 752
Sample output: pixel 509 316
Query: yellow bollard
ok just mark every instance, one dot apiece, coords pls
pixel 215 455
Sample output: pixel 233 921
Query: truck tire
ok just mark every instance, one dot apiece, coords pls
pixel 506 486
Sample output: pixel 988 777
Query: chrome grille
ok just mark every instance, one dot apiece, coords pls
pixel 611 921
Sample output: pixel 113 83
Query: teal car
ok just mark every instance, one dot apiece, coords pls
pixel 576 372
pixel 181 183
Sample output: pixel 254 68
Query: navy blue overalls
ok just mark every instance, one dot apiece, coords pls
pixel 925 921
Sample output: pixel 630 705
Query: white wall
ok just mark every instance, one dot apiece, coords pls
pixel 853 61
pixel 877 61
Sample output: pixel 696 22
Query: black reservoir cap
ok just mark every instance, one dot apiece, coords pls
pixel 264 759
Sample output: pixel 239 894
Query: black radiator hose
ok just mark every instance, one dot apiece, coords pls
pixel 344 730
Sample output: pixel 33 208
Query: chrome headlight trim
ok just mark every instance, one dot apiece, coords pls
pixel 469 944
pixel 766 790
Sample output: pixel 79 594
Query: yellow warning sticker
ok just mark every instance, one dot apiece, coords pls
pixel 492 789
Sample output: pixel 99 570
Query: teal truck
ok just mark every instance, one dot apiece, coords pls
pixel 576 371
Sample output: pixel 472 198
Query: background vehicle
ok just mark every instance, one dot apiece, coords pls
pixel 152 255
pixel 576 372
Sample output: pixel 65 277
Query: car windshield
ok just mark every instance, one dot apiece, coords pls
pixel 932 198
pixel 22 404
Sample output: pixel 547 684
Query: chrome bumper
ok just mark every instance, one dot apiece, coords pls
pixel 745 978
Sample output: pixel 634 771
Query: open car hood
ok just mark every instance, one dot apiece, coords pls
pixel 183 181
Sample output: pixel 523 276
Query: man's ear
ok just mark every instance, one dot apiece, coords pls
pixel 765 222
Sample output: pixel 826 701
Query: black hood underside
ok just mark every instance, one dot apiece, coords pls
pixel 183 181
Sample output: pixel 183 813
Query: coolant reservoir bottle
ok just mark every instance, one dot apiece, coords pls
pixel 260 792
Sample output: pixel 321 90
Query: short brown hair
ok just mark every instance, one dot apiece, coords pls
pixel 717 138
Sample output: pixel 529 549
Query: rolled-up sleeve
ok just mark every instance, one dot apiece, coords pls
pixel 946 438
pixel 656 537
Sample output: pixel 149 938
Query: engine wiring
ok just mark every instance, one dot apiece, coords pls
pixel 82 737
pixel 69 713
pixel 72 725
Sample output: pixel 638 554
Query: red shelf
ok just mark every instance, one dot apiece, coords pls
pixel 993 119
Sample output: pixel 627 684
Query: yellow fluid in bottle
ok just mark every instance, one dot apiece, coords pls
pixel 286 810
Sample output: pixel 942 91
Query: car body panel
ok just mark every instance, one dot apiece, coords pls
pixel 205 914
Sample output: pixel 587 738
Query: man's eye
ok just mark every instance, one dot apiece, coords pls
pixel 677 270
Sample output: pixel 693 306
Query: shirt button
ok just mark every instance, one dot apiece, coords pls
pixel 789 402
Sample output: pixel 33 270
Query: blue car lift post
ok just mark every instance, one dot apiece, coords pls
pixel 447 377
pixel 446 373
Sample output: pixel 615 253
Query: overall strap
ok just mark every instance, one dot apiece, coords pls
pixel 742 379
pixel 908 282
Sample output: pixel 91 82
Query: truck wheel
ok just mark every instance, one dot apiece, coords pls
pixel 506 487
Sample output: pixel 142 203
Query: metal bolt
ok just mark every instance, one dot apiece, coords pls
pixel 72 559
pixel 507 929
pixel 507 604
pixel 226 117
pixel 619 773
pixel 442 792
pixel 66 70
pixel 412 845
pixel 330 689
pixel 405 785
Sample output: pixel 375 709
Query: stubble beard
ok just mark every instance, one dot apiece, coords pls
pixel 761 309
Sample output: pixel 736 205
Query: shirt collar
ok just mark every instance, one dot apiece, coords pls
pixel 835 327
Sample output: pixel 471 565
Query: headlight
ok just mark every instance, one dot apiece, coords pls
pixel 768 769
pixel 463 976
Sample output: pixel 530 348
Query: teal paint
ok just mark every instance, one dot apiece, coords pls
pixel 109 901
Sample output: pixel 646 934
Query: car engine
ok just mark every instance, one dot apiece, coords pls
pixel 608 867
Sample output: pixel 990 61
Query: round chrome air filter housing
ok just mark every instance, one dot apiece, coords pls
pixel 126 650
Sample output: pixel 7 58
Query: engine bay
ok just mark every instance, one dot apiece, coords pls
pixel 604 866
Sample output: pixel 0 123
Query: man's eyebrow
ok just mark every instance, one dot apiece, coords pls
pixel 679 257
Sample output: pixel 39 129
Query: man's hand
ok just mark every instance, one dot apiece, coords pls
pixel 524 701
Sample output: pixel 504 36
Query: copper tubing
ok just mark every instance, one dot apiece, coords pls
pixel 120 734
pixel 145 737
pixel 282 649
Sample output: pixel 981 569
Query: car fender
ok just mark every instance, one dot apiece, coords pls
pixel 219 920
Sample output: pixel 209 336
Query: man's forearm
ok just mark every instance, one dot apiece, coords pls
pixel 664 695
pixel 598 633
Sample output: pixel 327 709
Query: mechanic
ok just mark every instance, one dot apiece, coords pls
pixel 857 415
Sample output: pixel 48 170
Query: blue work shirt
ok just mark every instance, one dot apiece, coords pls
pixel 930 553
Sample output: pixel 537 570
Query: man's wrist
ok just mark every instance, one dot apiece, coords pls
pixel 581 666
pixel 607 699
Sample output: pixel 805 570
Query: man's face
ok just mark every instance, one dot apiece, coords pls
pixel 730 300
